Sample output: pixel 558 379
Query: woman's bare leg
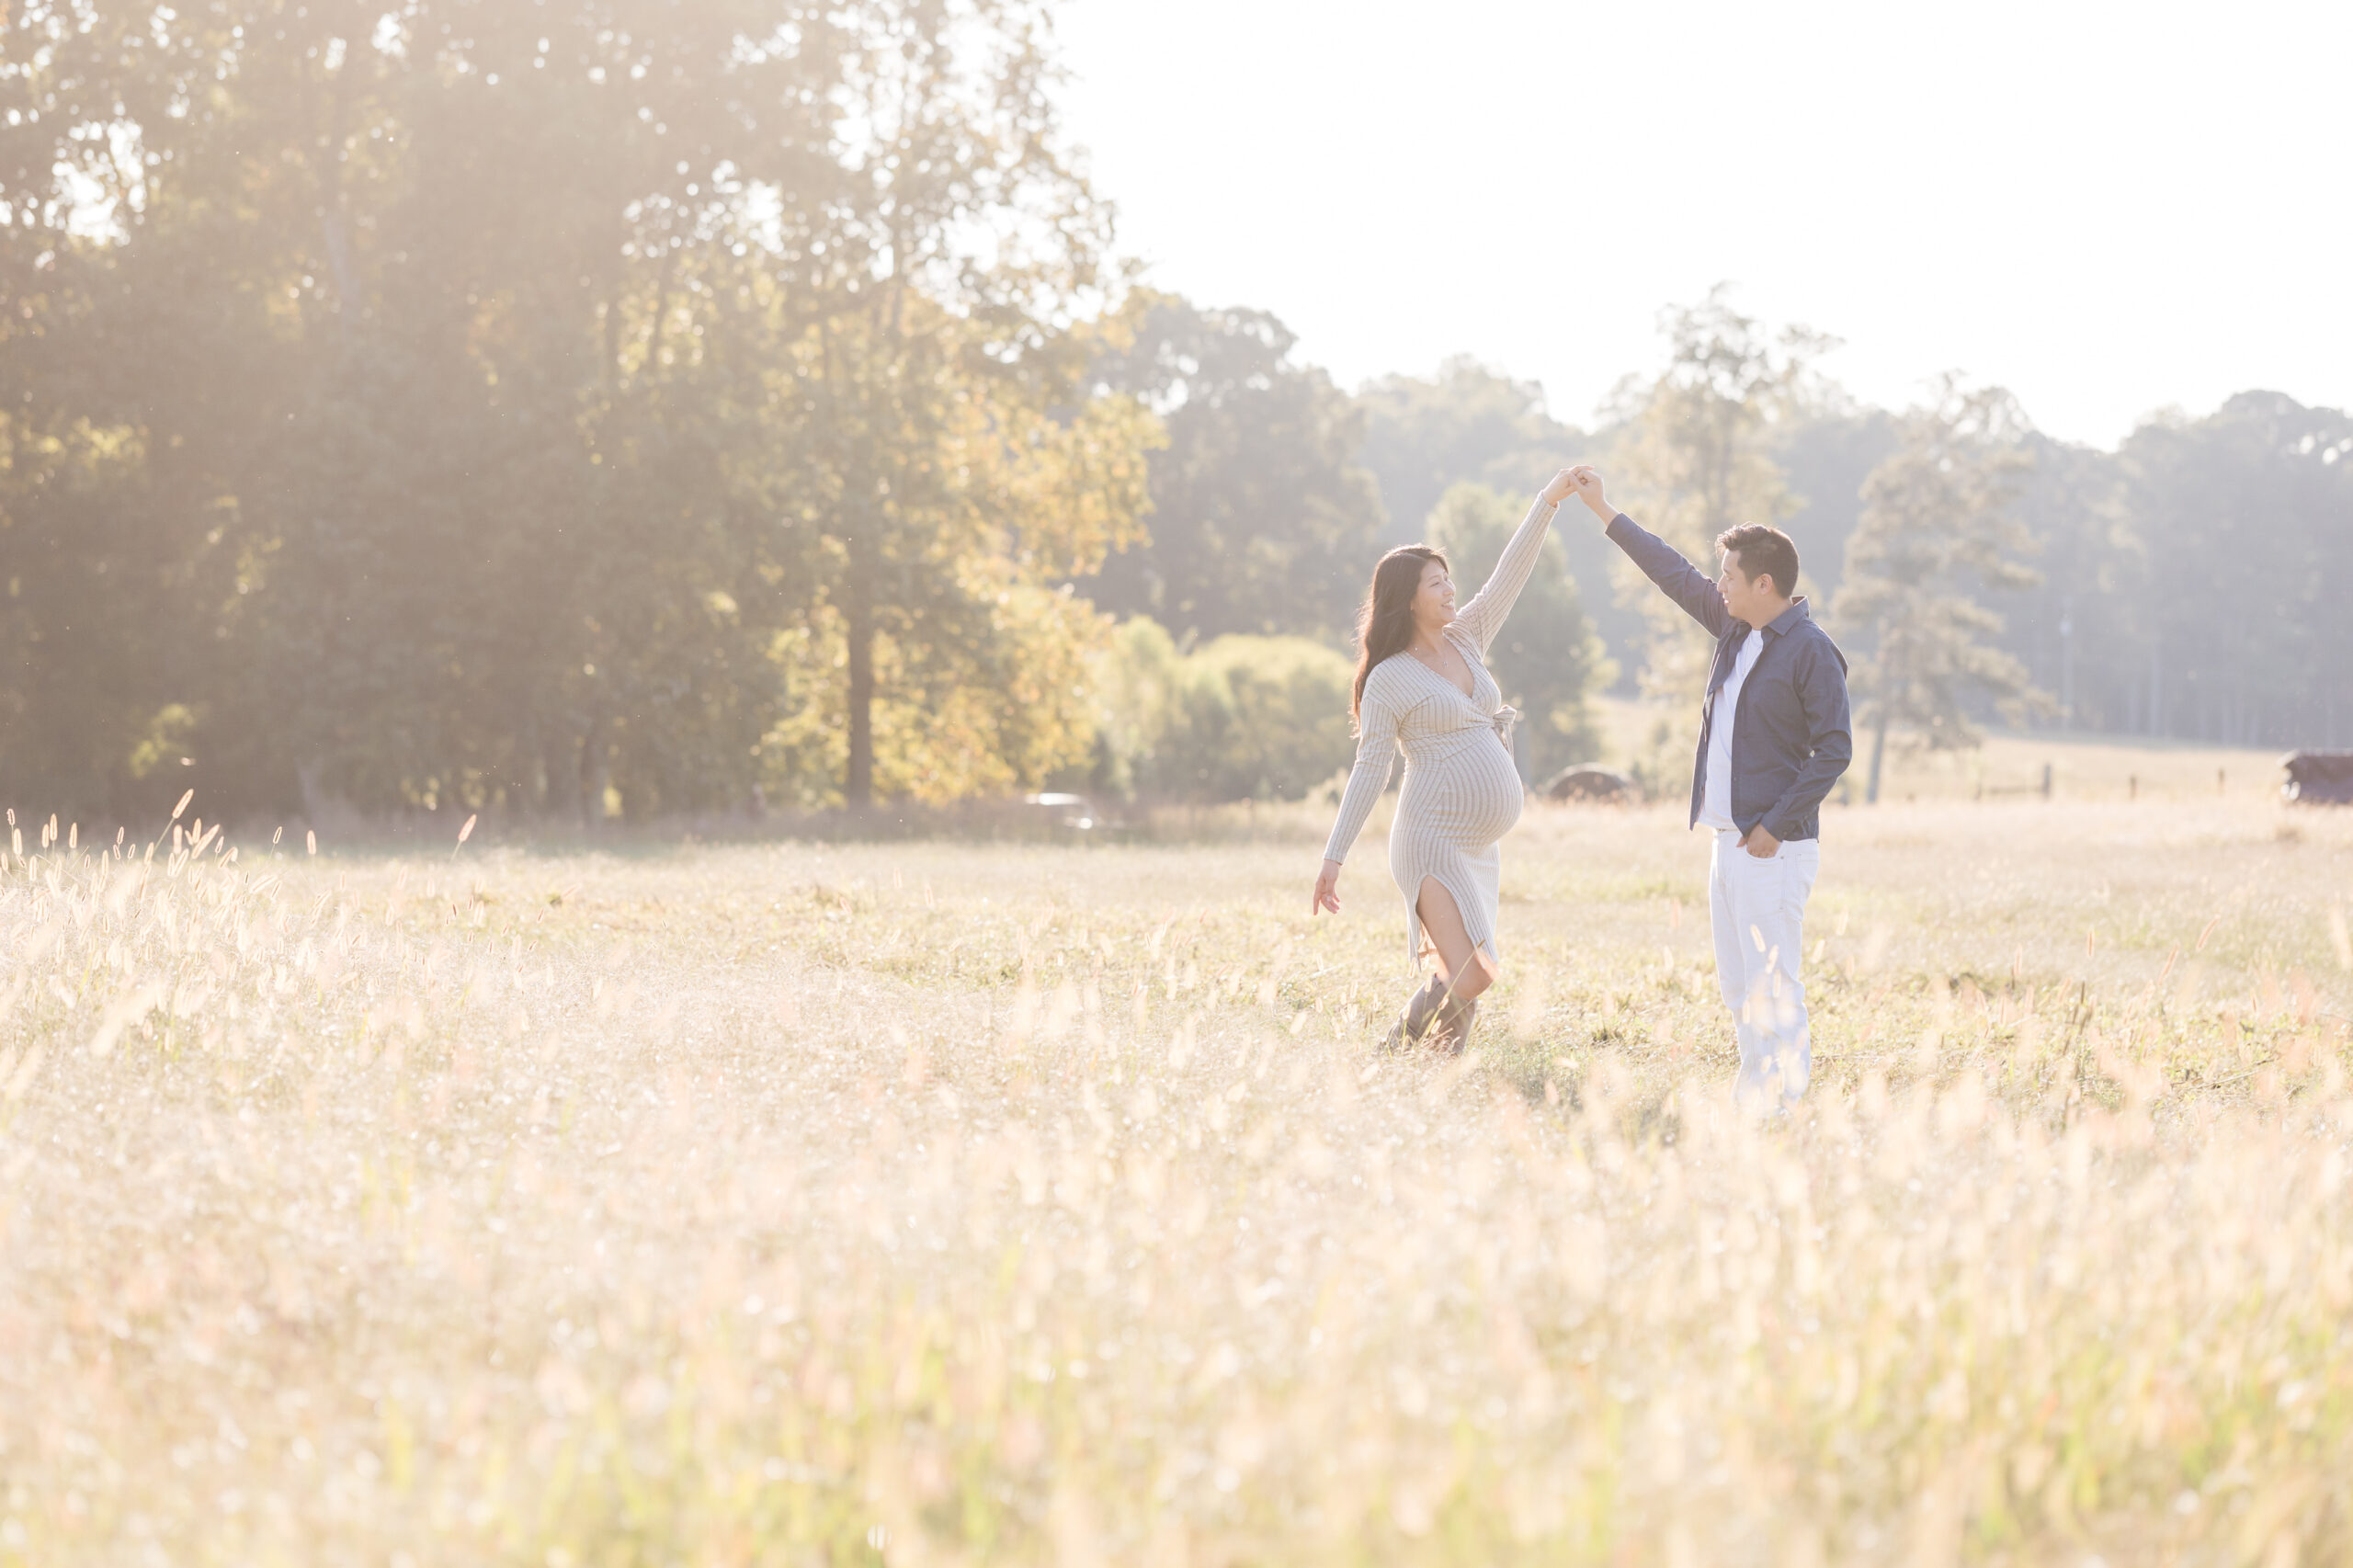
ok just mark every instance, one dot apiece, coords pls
pixel 1468 970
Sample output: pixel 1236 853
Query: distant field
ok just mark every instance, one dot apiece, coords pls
pixel 2084 767
pixel 928 1203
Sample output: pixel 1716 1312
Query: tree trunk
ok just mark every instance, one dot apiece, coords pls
pixel 1878 754
pixel 661 317
pixel 309 778
pixel 596 772
pixel 559 785
pixel 332 234
pixel 527 784
pixel 857 613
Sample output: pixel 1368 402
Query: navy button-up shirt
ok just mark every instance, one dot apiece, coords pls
pixel 1791 737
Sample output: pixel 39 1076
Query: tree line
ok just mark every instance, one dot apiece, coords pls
pixel 618 408
pixel 557 408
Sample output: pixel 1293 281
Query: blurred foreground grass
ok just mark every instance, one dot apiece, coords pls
pixel 923 1203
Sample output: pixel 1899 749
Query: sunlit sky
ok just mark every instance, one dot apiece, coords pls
pixel 2110 209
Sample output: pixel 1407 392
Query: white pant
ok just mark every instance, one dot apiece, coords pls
pixel 1758 907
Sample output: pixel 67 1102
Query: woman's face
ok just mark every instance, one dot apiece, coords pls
pixel 1433 600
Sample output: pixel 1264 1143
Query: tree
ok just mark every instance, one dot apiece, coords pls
pixel 933 356
pixel 1239 718
pixel 1825 445
pixel 1937 519
pixel 483 406
pixel 2080 632
pixel 1546 659
pixel 1261 519
pixel 1471 422
pixel 1695 457
pixel 2241 520
pixel 1424 435
pixel 357 287
pixel 948 495
pixel 132 394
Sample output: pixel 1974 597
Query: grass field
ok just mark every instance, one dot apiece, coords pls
pixel 929 1203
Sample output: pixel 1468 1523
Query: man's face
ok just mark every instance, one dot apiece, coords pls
pixel 1751 600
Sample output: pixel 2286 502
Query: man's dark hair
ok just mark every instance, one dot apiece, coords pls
pixel 1764 551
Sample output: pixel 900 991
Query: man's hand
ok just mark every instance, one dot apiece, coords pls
pixel 1586 481
pixel 1561 486
pixel 1327 890
pixel 1761 844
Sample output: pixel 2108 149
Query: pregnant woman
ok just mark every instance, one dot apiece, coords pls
pixel 1422 684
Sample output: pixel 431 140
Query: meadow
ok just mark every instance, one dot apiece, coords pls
pixel 931 1202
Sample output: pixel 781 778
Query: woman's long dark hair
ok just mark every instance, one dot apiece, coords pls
pixel 1385 624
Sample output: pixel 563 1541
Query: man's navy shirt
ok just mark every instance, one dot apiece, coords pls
pixel 1791 738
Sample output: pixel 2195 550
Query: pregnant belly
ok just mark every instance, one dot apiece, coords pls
pixel 1472 797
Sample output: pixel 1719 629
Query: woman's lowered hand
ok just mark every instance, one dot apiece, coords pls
pixel 1328 890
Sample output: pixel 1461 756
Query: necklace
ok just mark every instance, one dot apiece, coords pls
pixel 1429 662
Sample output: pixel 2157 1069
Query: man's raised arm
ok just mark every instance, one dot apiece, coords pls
pixel 1660 562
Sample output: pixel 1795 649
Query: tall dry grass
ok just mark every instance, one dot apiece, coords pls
pixel 934 1204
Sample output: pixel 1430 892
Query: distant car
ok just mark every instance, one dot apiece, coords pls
pixel 1073 812
pixel 2318 778
pixel 1588 784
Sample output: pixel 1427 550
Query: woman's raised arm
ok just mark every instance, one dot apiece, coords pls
pixel 1484 615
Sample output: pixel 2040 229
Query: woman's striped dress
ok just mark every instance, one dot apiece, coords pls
pixel 1462 792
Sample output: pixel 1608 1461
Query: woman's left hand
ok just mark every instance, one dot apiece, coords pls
pixel 1564 485
pixel 1328 890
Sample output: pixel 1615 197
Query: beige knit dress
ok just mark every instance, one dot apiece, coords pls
pixel 1462 791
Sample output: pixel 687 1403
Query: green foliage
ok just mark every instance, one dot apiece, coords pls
pixel 1262 520
pixel 997 701
pixel 1936 517
pixel 2183 582
pixel 1546 659
pixel 99 597
pixel 1472 424
pixel 1695 458
pixel 522 408
pixel 487 406
pixel 1468 423
pixel 1243 717
pixel 1825 446
pixel 2240 534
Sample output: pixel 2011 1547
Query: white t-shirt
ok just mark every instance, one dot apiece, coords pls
pixel 1715 800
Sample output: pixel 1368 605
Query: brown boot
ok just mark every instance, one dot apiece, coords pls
pixel 1413 1022
pixel 1451 1031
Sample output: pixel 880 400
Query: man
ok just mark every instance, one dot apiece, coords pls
pixel 1773 738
